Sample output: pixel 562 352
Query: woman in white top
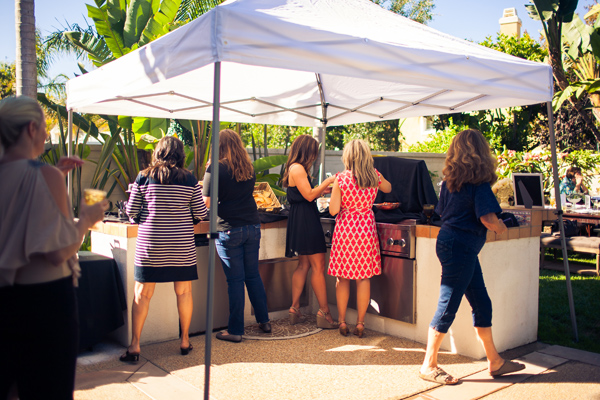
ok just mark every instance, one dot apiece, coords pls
pixel 39 241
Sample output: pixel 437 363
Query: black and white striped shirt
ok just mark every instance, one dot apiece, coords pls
pixel 166 215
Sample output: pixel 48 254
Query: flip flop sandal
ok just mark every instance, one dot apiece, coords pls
pixel 440 376
pixel 507 368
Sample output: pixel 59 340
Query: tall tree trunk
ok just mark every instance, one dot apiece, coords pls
pixel 26 68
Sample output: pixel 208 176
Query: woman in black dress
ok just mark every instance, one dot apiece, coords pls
pixel 305 237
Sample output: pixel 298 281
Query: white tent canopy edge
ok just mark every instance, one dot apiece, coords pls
pixel 373 65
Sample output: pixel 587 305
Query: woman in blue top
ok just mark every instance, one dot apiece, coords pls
pixel 573 182
pixel 468 209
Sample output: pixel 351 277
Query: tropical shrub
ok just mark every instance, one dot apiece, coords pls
pixel 438 142
pixel 510 161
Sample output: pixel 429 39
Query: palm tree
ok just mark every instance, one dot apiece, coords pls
pixel 26 68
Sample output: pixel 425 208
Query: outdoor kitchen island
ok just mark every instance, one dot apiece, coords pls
pixel 510 265
pixel 117 240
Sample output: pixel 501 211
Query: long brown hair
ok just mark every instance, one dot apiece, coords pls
pixel 304 151
pixel 167 161
pixel 233 154
pixel 357 158
pixel 469 160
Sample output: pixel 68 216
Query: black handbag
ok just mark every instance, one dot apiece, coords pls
pixel 571 228
pixel 509 219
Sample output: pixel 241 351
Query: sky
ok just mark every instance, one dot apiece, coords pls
pixel 466 19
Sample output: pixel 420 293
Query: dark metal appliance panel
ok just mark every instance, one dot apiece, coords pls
pixel 328 225
pixel 397 239
pixel 393 292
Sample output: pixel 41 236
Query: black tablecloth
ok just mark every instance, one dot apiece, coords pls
pixel 101 298
pixel 411 186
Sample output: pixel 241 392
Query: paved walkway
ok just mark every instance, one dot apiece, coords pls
pixel 326 365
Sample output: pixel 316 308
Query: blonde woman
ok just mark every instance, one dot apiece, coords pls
pixel 39 241
pixel 468 209
pixel 355 245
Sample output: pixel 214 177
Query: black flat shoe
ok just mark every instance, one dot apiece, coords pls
pixel 186 351
pixel 130 357
pixel 266 327
pixel 229 338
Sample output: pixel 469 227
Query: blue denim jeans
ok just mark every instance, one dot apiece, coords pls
pixel 461 275
pixel 238 251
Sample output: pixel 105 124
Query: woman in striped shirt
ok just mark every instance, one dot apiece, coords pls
pixel 166 201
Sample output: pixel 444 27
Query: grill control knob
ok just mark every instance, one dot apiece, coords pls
pixel 328 234
pixel 392 242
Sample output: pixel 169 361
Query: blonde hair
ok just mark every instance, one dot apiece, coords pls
pixel 357 158
pixel 304 151
pixel 233 154
pixel 469 160
pixel 15 114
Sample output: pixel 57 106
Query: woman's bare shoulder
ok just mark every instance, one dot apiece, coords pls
pixel 52 175
pixel 297 169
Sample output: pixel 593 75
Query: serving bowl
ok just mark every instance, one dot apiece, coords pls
pixel 386 206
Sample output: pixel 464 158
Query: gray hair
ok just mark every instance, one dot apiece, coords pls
pixel 15 114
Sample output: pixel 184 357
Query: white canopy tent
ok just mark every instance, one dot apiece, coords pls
pixel 307 63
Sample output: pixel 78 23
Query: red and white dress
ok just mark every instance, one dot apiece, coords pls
pixel 355 244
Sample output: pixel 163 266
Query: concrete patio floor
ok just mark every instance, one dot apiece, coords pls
pixel 327 365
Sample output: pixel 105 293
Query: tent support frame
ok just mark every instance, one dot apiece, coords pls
pixel 214 194
pixel 561 225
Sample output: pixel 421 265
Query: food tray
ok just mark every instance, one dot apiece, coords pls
pixel 387 206
pixel 262 190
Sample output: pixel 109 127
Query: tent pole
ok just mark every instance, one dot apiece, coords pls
pixel 559 213
pixel 214 195
pixel 70 151
pixel 319 134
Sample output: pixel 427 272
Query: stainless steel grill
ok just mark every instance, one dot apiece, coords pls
pixel 328 224
pixel 397 239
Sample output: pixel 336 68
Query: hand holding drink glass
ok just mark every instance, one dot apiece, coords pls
pixel 94 205
pixel 93 196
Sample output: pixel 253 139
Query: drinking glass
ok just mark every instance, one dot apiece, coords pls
pixel 93 196
pixel 573 198
pixel 428 211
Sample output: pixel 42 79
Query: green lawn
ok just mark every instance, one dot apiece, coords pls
pixel 554 316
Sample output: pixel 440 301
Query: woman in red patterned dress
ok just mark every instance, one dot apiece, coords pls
pixel 355 245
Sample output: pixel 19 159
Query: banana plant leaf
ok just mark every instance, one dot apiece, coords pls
pixel 266 163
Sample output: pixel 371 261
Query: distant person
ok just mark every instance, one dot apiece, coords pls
pixel 166 201
pixel 468 209
pixel 305 238
pixel 238 226
pixel 39 240
pixel 355 245
pixel 573 182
